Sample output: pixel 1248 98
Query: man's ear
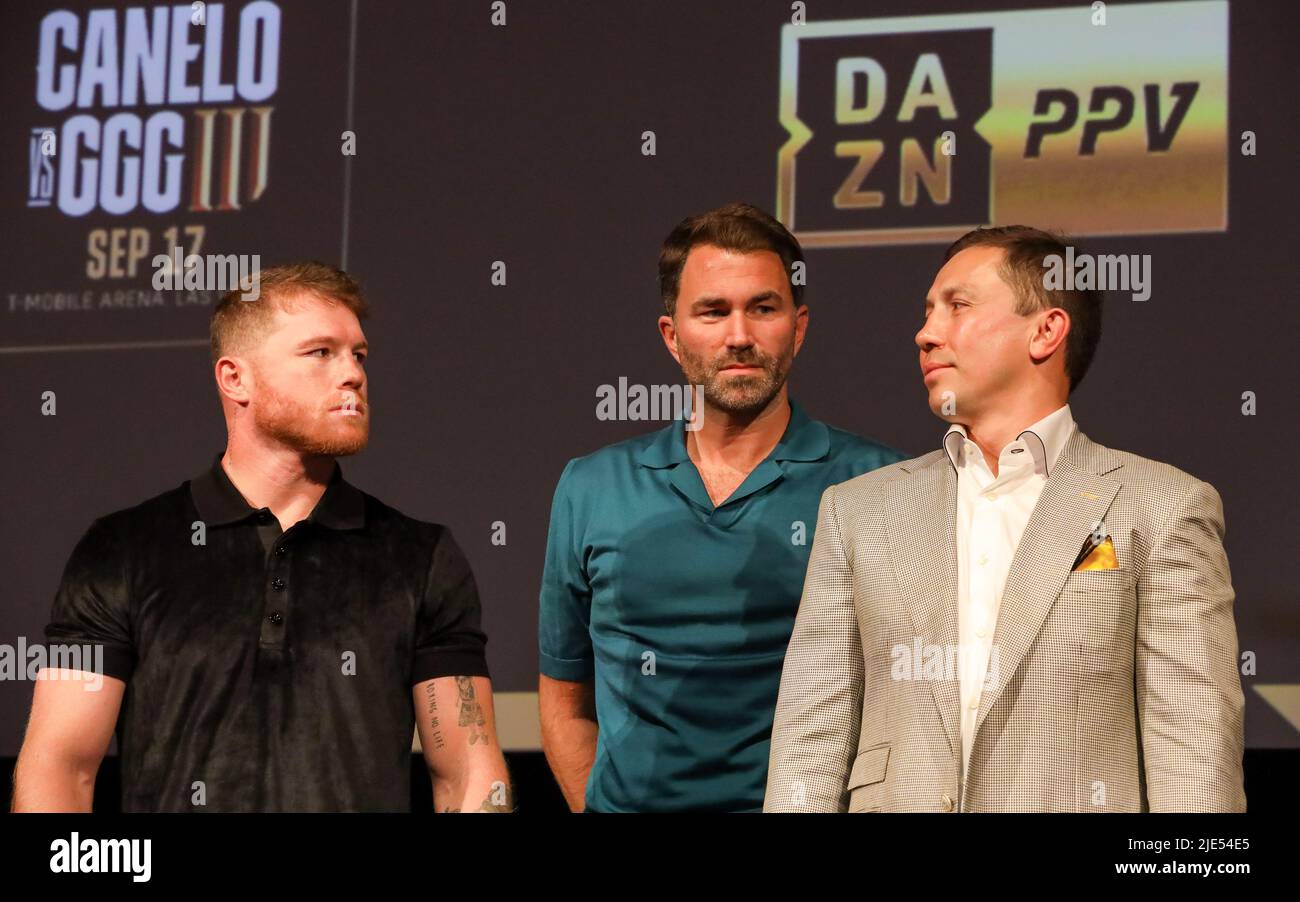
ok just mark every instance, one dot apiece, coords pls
pixel 800 326
pixel 234 379
pixel 668 331
pixel 1049 333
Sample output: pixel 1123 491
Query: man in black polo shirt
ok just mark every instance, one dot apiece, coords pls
pixel 270 633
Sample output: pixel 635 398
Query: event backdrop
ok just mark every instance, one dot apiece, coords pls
pixel 500 176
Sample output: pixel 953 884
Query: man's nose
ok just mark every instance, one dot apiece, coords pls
pixel 927 337
pixel 354 376
pixel 738 331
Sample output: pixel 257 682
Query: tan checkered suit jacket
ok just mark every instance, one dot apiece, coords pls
pixel 1116 690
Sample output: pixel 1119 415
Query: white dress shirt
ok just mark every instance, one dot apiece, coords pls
pixel 991 517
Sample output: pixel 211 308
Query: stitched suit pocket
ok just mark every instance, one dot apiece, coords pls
pixel 866 779
pixel 1095 616
pixel 1097 579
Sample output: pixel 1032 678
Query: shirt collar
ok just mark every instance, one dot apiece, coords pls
pixel 1044 439
pixel 342 506
pixel 804 439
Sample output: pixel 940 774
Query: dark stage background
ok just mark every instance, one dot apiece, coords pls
pixel 525 143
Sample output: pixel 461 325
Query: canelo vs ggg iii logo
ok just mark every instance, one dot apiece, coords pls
pixel 150 90
pixel 1091 121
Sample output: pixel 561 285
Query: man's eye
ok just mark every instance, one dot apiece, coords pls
pixel 766 308
pixel 319 350
pixel 361 357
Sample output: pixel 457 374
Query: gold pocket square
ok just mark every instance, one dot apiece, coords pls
pixel 1099 557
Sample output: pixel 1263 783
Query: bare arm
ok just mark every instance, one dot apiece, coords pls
pixel 569 733
pixel 72 721
pixel 458 733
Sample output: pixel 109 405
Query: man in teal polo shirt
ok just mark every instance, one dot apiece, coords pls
pixel 675 561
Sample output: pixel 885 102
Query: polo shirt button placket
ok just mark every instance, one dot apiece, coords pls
pixel 276 617
pixel 273 634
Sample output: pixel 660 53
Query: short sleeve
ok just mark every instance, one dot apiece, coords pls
pixel 92 605
pixel 564 619
pixel 448 637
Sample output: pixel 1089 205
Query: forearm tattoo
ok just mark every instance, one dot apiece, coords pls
pixel 500 800
pixel 471 712
pixel 438 741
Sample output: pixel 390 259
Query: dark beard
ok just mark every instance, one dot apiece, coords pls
pixel 738 394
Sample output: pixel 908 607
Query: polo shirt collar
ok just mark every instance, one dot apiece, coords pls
pixel 342 506
pixel 804 439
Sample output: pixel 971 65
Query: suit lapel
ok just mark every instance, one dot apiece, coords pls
pixel 923 547
pixel 1076 495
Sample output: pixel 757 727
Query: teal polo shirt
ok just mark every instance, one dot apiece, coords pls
pixel 681 611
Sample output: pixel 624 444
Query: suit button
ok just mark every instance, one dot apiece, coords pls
pixel 277 618
pixel 277 583
pixel 279 550
pixel 947 802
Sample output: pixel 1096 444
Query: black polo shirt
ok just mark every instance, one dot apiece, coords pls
pixel 273 668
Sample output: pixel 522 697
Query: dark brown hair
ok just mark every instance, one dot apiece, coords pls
pixel 1023 268
pixel 237 323
pixel 735 227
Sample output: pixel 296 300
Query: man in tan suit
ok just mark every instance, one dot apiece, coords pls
pixel 1021 620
